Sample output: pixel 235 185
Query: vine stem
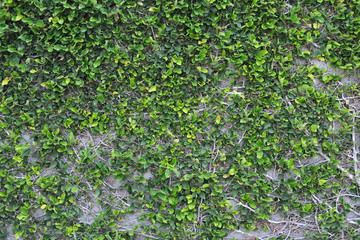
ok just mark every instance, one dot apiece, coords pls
pixel 346 172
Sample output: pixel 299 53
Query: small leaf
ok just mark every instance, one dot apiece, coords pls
pixel 152 89
pixel 84 52
pixel 252 204
pixel 101 98
pixel 40 24
pixel 68 122
pixel 187 177
pixel 262 53
pixel 167 173
pixel 307 207
pixel 97 62
pixel 115 154
pixel 314 128
pixel 322 182
pixel 177 70
pixel 5 81
pixel 297 173
pixel 192 206
pixel 18 235
pixel 97 192
pixel 159 147
pixel 173 201
pixel 57 47
pixel 218 118
pixel 132 83
pixel 153 9
pixel 71 138
pixel 19 17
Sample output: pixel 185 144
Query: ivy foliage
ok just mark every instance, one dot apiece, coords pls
pixel 208 97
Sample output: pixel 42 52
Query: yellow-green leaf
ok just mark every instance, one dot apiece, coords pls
pixel 218 118
pixel 152 89
pixel 314 128
pixel 5 81
pixel 19 17
pixel 322 182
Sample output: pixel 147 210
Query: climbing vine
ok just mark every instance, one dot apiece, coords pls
pixel 181 119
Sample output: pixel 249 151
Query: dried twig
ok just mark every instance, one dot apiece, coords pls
pixel 355 151
pixel 347 98
pixel 241 204
pixel 154 36
pixel 242 137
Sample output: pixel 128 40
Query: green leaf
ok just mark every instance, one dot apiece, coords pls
pixel 115 154
pixel 314 128
pixel 132 83
pixel 84 52
pixel 167 173
pixel 152 89
pixel 97 192
pixel 58 47
pixel 192 205
pixel 177 60
pixel 173 201
pixel 5 81
pixel 97 62
pixel 128 154
pixel 322 182
pixel 159 147
pixel 297 173
pixel 262 53
pixel 101 98
pixel 18 234
pixel 19 17
pixel 68 122
pixel 187 177
pixel 40 24
pixel 177 70
pixel 307 207
pixel 71 138
pixel 218 119
pixel 294 18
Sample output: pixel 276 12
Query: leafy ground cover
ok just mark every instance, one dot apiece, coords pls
pixel 179 119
